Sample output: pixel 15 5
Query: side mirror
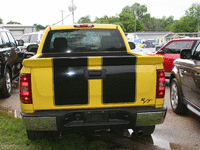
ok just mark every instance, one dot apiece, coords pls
pixel 20 43
pixel 132 45
pixel 186 54
pixel 32 48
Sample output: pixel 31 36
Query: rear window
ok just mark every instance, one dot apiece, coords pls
pixel 83 40
pixel 34 38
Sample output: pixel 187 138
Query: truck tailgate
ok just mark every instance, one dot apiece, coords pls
pixel 92 81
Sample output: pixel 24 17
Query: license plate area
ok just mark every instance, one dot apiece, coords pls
pixel 96 117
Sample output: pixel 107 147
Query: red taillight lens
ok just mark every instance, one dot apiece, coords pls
pixel 83 25
pixel 160 89
pixel 25 89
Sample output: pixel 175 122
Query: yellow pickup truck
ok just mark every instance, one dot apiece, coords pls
pixel 85 77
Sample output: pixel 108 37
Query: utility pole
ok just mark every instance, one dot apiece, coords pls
pixel 72 9
pixel 62 15
pixel 135 12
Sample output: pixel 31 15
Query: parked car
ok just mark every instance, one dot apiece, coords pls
pixel 148 44
pixel 10 61
pixel 140 50
pixel 31 38
pixel 185 82
pixel 171 52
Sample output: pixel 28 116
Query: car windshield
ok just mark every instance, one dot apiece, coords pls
pixel 83 40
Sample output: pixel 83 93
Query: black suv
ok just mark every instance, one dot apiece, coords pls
pixel 10 61
pixel 185 82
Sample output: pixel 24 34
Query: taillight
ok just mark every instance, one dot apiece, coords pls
pixel 160 89
pixel 83 25
pixel 25 89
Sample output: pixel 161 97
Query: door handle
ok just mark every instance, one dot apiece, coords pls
pixel 95 74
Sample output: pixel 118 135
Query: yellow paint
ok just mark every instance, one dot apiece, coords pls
pixel 42 88
pixel 125 41
pixel 145 84
pixel 159 102
pixel 95 86
pixel 41 70
pixel 39 51
pixel 27 108
pixel 41 62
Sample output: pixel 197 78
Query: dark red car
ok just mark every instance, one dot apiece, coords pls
pixel 171 51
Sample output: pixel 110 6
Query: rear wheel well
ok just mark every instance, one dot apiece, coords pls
pixel 171 78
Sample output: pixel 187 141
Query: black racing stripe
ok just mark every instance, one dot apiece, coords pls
pixel 70 62
pixel 83 55
pixel 119 85
pixel 70 85
pixel 120 60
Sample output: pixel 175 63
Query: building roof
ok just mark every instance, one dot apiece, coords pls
pixel 151 34
pixel 15 25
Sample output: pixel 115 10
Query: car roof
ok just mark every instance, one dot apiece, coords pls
pixel 3 29
pixel 186 39
pixel 41 32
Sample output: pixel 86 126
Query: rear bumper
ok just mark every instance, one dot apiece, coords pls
pixel 93 119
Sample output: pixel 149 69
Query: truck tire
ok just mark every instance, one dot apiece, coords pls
pixel 7 85
pixel 175 99
pixel 143 131
pixel 33 135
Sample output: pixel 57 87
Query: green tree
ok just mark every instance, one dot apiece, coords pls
pixel 85 19
pixel 194 13
pixel 189 22
pixel 13 22
pixel 39 27
pixel 127 19
pixel 103 20
pixel 130 13
pixel 185 24
pixel 1 21
pixel 168 23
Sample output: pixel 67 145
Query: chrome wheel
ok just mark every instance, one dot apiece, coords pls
pixel 8 82
pixel 176 99
pixel 174 95
pixel 7 85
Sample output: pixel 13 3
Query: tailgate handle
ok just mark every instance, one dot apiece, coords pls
pixel 95 74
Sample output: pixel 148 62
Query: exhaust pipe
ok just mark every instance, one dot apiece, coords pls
pixel 139 133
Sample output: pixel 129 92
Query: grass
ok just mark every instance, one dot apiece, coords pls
pixel 13 137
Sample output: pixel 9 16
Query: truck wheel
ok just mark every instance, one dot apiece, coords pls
pixel 144 130
pixel 32 135
pixel 177 105
pixel 7 84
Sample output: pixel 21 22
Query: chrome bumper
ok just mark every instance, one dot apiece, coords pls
pixel 150 118
pixel 40 123
pixel 50 123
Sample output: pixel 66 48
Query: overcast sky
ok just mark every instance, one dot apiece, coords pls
pixel 49 12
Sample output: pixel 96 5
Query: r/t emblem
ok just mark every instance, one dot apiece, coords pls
pixel 146 100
